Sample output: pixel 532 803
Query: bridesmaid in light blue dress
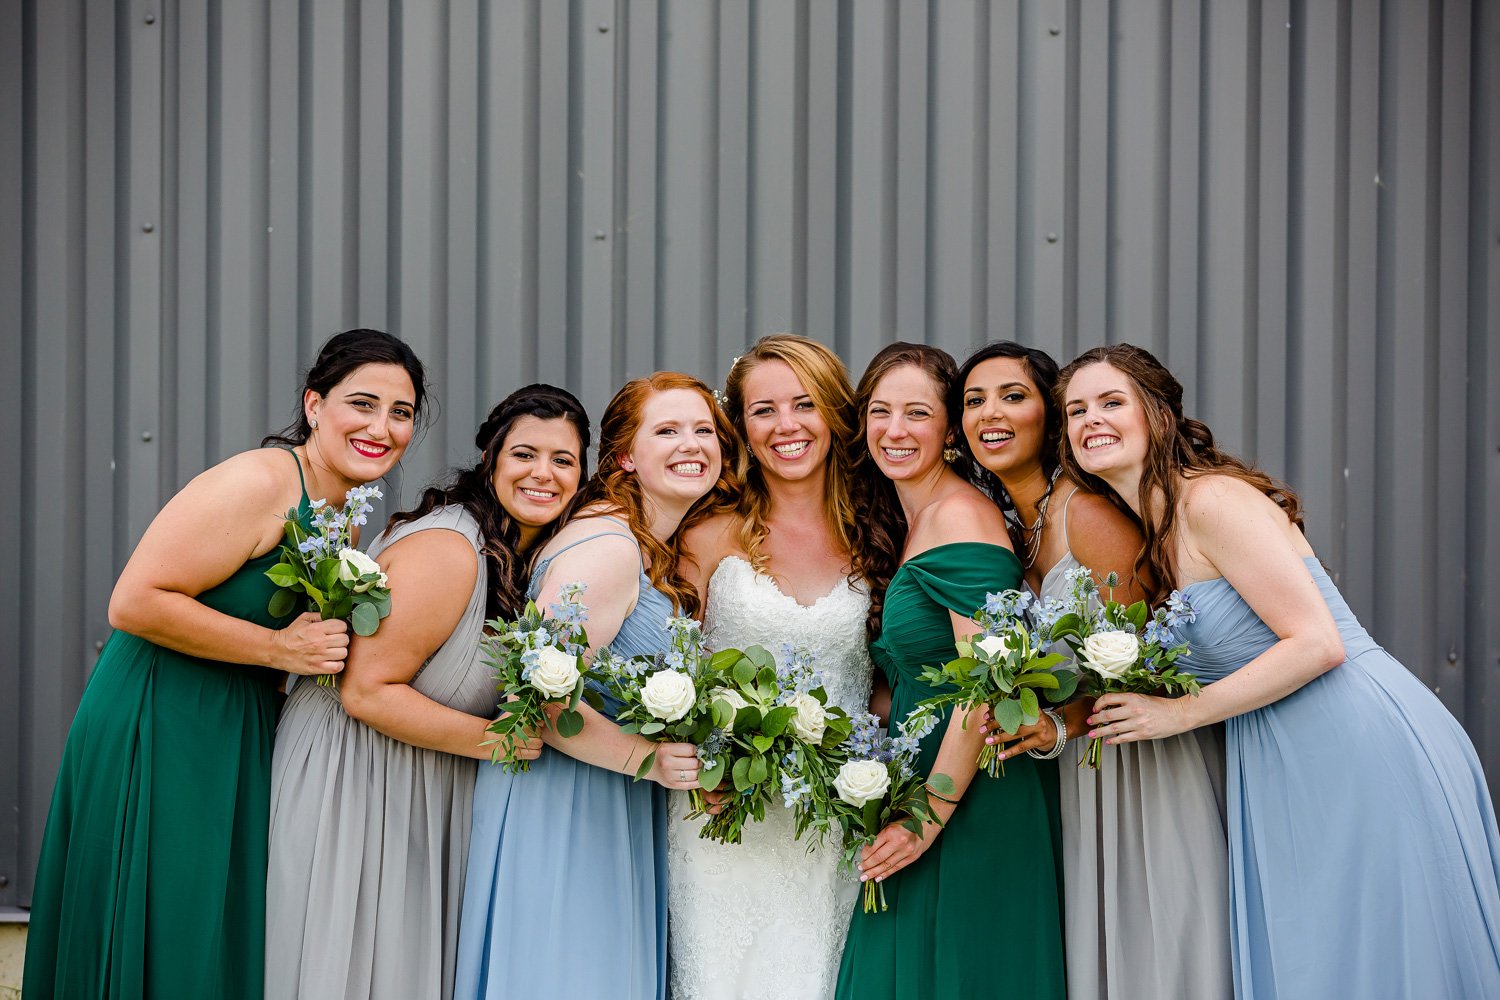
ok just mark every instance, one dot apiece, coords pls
pixel 565 892
pixel 1364 856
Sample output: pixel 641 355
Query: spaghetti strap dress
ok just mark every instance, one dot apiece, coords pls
pixel 566 890
pixel 940 937
pixel 152 878
pixel 370 835
pixel 1363 854
pixel 1145 860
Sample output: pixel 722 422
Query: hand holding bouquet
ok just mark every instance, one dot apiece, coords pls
pixel 1122 650
pixel 877 784
pixel 340 581
pixel 1003 667
pixel 538 661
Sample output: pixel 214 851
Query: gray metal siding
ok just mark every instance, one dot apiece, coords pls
pixel 1296 203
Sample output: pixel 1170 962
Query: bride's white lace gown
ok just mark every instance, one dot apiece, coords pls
pixel 767 917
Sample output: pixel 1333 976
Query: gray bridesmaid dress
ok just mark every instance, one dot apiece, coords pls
pixel 369 835
pixel 1145 861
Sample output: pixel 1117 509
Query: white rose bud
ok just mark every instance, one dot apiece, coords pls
pixel 810 720
pixel 555 673
pixel 733 697
pixel 668 694
pixel 1110 654
pixel 354 564
pixel 990 645
pixel 859 781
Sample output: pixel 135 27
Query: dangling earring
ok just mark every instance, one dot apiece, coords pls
pixel 950 454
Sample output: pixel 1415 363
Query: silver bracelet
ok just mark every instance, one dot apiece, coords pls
pixel 1062 736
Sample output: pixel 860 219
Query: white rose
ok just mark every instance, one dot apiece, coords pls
pixel 859 781
pixel 990 645
pixel 555 673
pixel 668 694
pixel 1110 654
pixel 354 564
pixel 810 720
pixel 733 697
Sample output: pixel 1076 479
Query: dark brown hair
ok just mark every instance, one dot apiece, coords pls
pixel 474 489
pixel 882 526
pixel 340 356
pixel 1178 447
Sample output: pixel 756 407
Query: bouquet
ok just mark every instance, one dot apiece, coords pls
pixel 1003 667
pixel 1122 650
pixel 773 731
pixel 877 784
pixel 760 727
pixel 538 661
pixel 340 581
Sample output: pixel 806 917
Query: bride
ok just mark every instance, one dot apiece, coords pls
pixel 767 917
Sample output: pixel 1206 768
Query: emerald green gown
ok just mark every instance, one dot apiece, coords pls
pixel 152 877
pixel 979 913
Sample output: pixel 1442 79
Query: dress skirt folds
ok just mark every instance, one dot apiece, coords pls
pixel 1364 857
pixel 999 853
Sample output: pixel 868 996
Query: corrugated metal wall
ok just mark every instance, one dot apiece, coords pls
pixel 1298 204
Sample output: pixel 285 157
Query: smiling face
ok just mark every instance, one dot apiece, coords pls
pixel 1004 417
pixel 675 451
pixel 786 433
pixel 1107 428
pixel 906 424
pixel 364 423
pixel 537 469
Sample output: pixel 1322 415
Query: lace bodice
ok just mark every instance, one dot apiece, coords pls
pixel 767 917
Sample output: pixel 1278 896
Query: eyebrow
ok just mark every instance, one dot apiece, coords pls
pixel 1106 392
pixel 374 398
pixel 1002 385
pixel 532 447
pixel 757 402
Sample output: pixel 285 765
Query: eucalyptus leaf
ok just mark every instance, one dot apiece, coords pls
pixel 709 777
pixel 742 774
pixel 283 603
pixel 1008 714
pixel 569 723
pixel 758 769
pixel 365 619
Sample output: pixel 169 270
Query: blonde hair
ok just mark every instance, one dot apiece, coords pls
pixel 826 380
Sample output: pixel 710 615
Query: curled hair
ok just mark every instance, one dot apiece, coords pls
pixel 1178 447
pixel 338 358
pixel 882 525
pixel 613 491
pixel 1042 370
pixel 826 380
pixel 474 489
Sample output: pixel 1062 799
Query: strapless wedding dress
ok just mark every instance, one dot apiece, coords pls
pixel 767 917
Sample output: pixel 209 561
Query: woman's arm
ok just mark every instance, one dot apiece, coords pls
pixel 1236 530
pixel 432 574
pixel 218 522
pixel 609 566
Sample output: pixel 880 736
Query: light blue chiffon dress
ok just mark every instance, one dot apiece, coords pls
pixel 1364 858
pixel 566 889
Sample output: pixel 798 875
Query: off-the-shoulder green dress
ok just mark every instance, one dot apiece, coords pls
pixel 979 913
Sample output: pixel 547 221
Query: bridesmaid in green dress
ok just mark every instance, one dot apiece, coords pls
pixel 152 875
pixel 974 904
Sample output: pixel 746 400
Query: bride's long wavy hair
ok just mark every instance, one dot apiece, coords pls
pixel 1178 448
pixel 614 491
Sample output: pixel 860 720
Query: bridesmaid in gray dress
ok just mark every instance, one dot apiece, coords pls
pixel 1145 855
pixel 372 781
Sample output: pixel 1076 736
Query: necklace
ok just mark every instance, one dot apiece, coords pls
pixel 1031 534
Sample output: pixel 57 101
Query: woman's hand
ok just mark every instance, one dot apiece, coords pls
pixel 1129 718
pixel 310 646
pixel 675 766
pixel 1040 736
pixel 894 848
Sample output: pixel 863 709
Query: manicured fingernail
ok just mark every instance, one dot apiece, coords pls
pixel 863 877
pixel 881 879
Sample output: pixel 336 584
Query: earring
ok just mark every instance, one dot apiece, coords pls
pixel 950 454
pixel 313 423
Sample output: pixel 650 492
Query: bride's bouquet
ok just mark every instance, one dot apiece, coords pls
pixel 773 732
pixel 538 661
pixel 1003 667
pixel 877 784
pixel 1122 649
